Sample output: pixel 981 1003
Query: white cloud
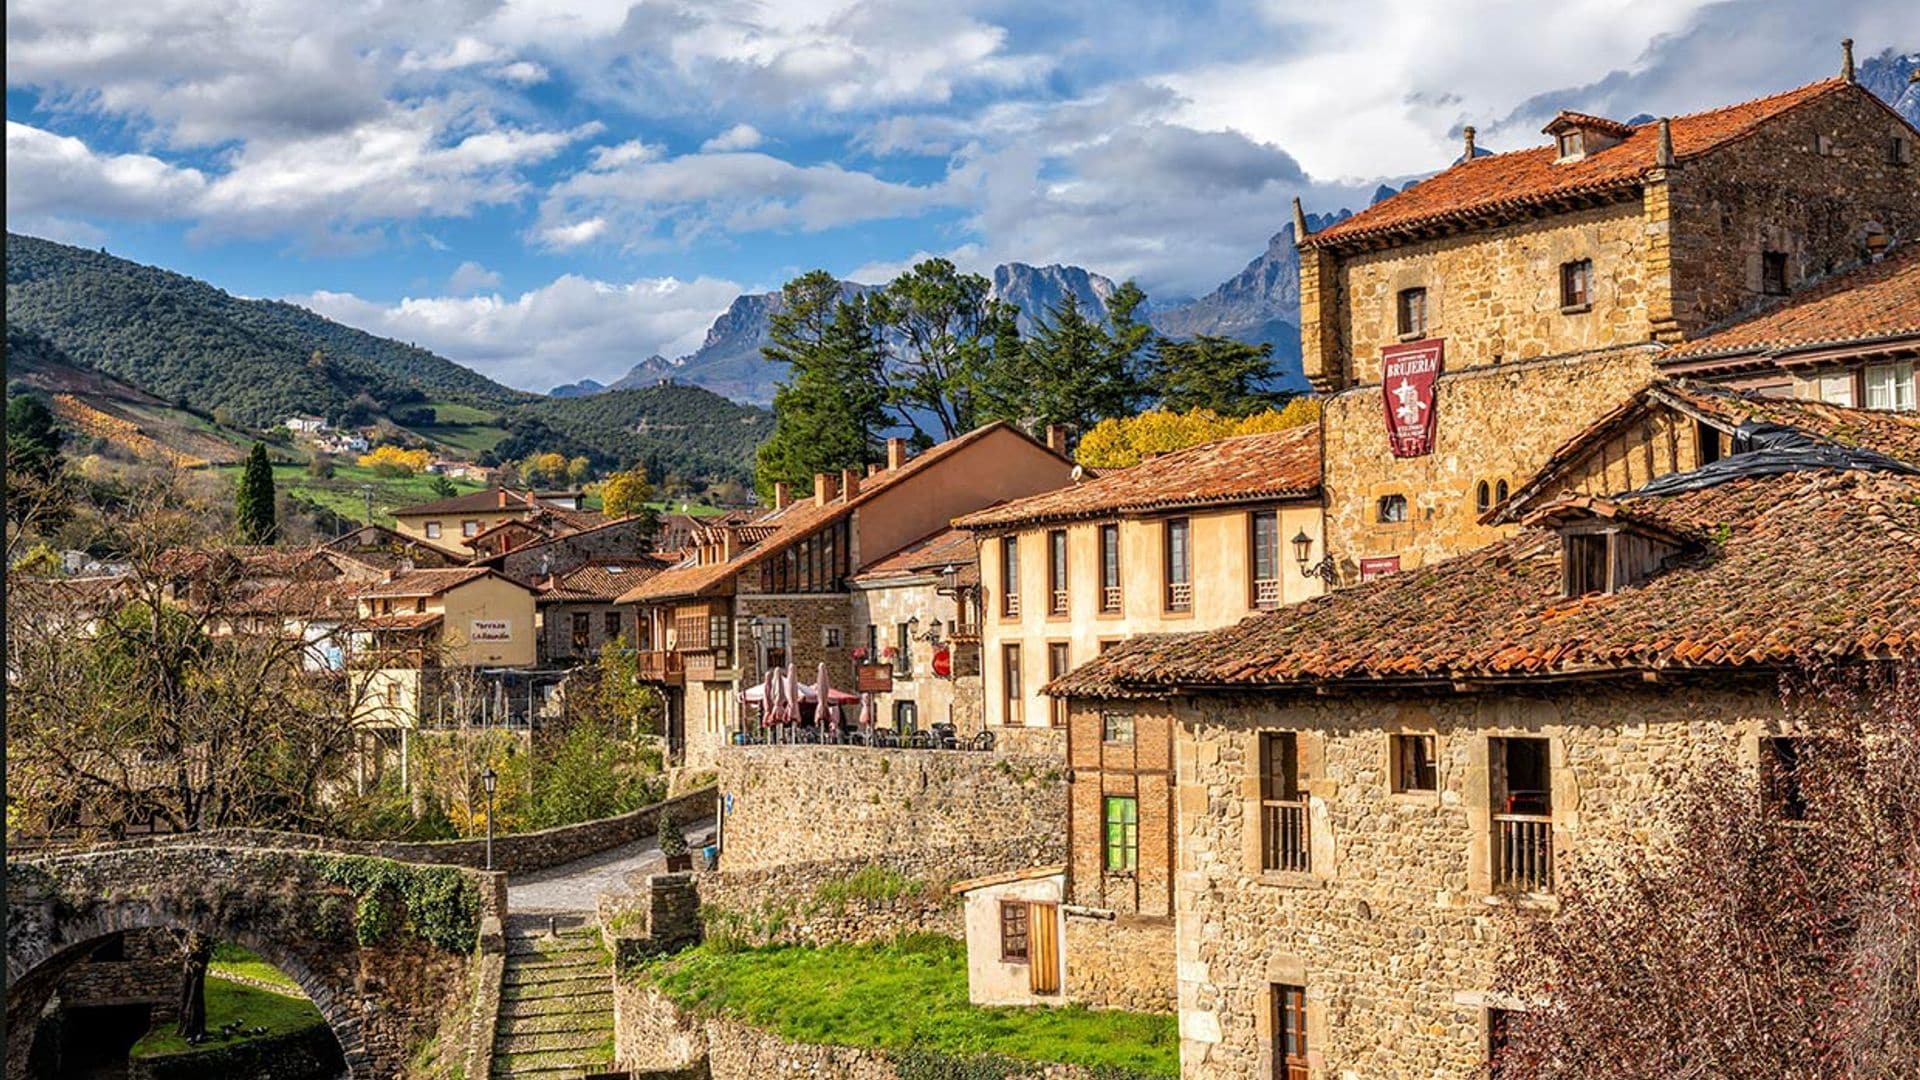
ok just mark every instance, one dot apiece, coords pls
pixel 737 137
pixel 522 73
pixel 569 329
pixel 574 234
pixel 54 180
pixel 471 277
pixel 631 152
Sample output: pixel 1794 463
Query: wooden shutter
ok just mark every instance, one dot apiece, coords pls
pixel 1043 965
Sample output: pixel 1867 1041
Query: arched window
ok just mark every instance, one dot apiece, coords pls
pixel 1500 491
pixel 1482 497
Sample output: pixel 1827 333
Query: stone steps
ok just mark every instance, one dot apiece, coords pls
pixel 556 1003
pixel 556 1023
pixel 557 969
pixel 523 1008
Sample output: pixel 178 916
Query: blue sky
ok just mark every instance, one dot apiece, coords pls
pixel 548 191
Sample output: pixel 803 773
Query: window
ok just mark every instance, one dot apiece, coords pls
pixel 469 528
pixel 1586 563
pixel 112 950
pixel 1108 643
pixel 1057 665
pixel 1901 152
pixel 1412 312
pixel 1500 491
pixel 906 717
pixel 1413 763
pixel 1009 575
pixel 1576 284
pixel 1836 388
pixel 1823 144
pixel 1482 497
pixel 873 643
pixel 1572 144
pixel 902 651
pixel 1520 782
pixel 1123 833
pixel 830 637
pixel 1013 931
pixel 719 630
pixel 1391 510
pixel 1179 566
pixel 1263 534
pixel 812 564
pixel 1116 727
pixel 433 530
pixel 1109 568
pixel 1289 1032
pixel 1010 681
pixel 582 631
pixel 1057 572
pixel 1773 273
pixel 1891 386
pixel 1780 772
pixel 612 626
pixel 1283 806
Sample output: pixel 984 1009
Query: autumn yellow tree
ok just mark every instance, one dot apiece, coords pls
pixel 396 459
pixel 626 493
pixel 548 467
pixel 1123 442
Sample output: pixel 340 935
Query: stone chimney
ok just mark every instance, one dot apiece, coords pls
pixel 873 468
pixel 896 453
pixel 1468 132
pixel 502 494
pixel 729 542
pixel 1846 60
pixel 782 494
pixel 825 486
pixel 1057 439
pixel 1299 221
pixel 1663 153
pixel 849 483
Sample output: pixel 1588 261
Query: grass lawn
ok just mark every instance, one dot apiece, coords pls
pixel 463 427
pixel 229 1001
pixel 341 493
pixel 911 994
pixel 242 961
pixel 691 509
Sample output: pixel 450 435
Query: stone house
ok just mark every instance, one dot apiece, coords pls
pixel 384 549
pixel 453 523
pixel 579 608
pixel 541 557
pixel 1513 296
pixel 1188 540
pixel 918 610
pixel 752 597
pixel 422 637
pixel 1363 781
pixel 1852 340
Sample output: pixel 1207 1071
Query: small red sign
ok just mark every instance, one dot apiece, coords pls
pixel 1407 374
pixel 873 678
pixel 942 663
pixel 1380 567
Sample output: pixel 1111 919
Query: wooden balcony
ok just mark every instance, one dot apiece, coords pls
pixel 1266 593
pixel 1523 853
pixel 706 664
pixel 663 666
pixel 1283 836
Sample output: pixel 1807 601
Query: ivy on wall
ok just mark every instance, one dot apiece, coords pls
pixel 437 904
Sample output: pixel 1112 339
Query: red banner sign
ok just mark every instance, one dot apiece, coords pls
pixel 873 678
pixel 1379 567
pixel 942 662
pixel 1407 374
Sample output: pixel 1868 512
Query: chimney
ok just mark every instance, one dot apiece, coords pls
pixel 1299 221
pixel 1663 153
pixel 729 542
pixel 896 453
pixel 1846 60
pixel 1468 132
pixel 849 483
pixel 782 494
pixel 1057 439
pixel 873 467
pixel 825 487
pixel 502 494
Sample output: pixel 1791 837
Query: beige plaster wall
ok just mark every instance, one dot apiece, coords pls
pixel 991 980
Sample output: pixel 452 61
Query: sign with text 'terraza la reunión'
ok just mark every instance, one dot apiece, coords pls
pixel 1407 374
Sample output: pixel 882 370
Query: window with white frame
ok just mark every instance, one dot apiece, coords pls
pixel 1891 386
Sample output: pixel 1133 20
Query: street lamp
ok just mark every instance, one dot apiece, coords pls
pixel 488 780
pixel 1303 550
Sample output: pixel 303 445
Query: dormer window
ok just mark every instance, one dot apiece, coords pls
pixel 1573 145
pixel 1599 555
pixel 1576 135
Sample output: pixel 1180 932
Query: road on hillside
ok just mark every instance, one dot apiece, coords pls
pixel 572 888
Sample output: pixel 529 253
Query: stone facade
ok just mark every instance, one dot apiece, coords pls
pixel 879 612
pixel 1494 424
pixel 1394 927
pixel 1120 961
pixel 561 641
pixel 529 564
pixel 816 803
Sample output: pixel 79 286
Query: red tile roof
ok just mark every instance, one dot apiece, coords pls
pixel 412 620
pixel 1874 304
pixel 1500 185
pixel 1242 469
pixel 1781 570
pixel 599 581
pixel 929 555
pixel 425 582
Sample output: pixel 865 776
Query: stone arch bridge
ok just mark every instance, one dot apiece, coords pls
pixel 384 949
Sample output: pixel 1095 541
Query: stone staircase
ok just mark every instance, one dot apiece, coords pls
pixel 556 1002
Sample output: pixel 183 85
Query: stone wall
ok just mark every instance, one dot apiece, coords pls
pixel 517 853
pixel 885 605
pixel 625 539
pixel 815 803
pixel 1120 961
pixel 556 630
pixel 1493 424
pixel 308 1054
pixel 1395 928
pixel 843 901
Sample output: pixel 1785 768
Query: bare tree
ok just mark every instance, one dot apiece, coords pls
pixel 1771 931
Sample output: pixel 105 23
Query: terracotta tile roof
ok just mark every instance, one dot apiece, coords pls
pixel 425 582
pixel 928 555
pixel 1568 118
pixel 412 620
pixel 1504 184
pixel 295 599
pixel 1245 468
pixel 1780 570
pixel 796 521
pixel 383 548
pixel 1895 434
pixel 602 580
pixel 473 501
pixel 1872 303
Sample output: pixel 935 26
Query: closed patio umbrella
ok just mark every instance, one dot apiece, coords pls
pixel 823 702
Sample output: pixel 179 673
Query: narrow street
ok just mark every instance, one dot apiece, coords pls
pixel 571 888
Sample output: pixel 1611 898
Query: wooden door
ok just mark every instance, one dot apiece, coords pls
pixel 1043 956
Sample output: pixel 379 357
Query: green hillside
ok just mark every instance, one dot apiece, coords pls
pixel 188 342
pixel 672 429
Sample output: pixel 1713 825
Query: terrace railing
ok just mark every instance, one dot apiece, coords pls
pixel 1523 856
pixel 1283 836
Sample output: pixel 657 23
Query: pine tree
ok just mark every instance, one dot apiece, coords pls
pixel 1216 373
pixel 944 322
pixel 832 407
pixel 1075 372
pixel 253 505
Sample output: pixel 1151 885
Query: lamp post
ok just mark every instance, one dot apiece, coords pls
pixel 487 780
pixel 1324 569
